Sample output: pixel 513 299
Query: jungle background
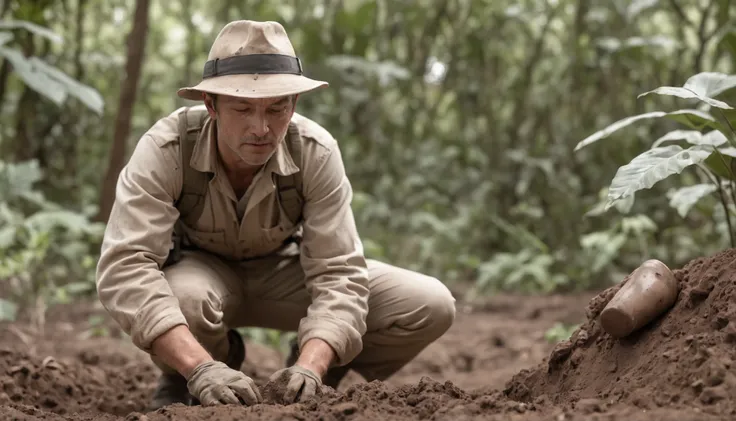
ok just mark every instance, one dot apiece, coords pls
pixel 457 119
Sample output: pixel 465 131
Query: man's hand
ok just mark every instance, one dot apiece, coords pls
pixel 294 384
pixel 214 383
pixel 210 381
pixel 304 379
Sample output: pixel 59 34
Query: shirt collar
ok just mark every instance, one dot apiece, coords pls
pixel 204 155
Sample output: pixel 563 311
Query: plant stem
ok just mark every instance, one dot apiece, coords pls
pixel 725 209
pixel 733 132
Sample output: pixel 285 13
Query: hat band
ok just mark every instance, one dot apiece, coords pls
pixel 252 64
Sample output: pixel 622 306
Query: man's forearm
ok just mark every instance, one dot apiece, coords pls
pixel 179 349
pixel 316 355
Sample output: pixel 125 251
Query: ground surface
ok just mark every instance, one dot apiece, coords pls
pixel 494 364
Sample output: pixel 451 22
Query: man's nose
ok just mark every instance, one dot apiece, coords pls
pixel 259 126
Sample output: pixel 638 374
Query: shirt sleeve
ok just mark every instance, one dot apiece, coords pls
pixel 130 283
pixel 332 258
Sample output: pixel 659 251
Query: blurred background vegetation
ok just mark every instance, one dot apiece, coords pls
pixel 457 119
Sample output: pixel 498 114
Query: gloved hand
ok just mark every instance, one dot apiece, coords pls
pixel 294 384
pixel 214 383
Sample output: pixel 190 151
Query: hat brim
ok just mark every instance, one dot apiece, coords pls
pixel 252 86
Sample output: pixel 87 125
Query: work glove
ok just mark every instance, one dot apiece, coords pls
pixel 214 383
pixel 293 384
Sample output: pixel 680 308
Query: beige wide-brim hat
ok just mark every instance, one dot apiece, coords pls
pixel 252 59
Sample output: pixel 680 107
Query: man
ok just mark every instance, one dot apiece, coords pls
pixel 259 197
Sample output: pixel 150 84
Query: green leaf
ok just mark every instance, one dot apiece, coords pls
pixel 35 78
pixel 616 45
pixel 624 205
pixel 89 96
pixel 687 94
pixel 651 167
pixel 45 221
pixel 703 86
pixel 31 27
pixel 616 126
pixel 691 136
pixel 710 84
pixel 638 6
pixel 5 37
pixel 722 162
pixel 695 119
pixel 685 198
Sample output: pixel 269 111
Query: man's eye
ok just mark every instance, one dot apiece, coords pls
pixel 245 110
pixel 278 110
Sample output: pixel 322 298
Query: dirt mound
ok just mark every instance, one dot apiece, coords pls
pixel 62 373
pixel 87 383
pixel 679 367
pixel 683 359
pixel 427 400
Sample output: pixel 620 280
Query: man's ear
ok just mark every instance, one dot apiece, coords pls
pixel 293 103
pixel 209 102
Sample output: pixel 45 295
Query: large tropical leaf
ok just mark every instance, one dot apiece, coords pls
pixel 685 198
pixel 613 45
pixel 5 37
pixel 50 81
pixel 32 27
pixel 89 96
pixel 694 119
pixel 600 134
pixel 35 78
pixel 651 167
pixel 723 162
pixel 693 137
pixel 703 86
pixel 690 136
pixel 635 7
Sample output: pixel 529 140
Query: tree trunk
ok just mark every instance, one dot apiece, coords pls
pixel 136 50
pixel 5 67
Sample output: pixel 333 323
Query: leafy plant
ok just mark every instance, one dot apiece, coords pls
pixel 709 146
pixel 42 77
pixel 45 251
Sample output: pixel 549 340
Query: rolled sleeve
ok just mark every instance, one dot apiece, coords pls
pixel 130 283
pixel 333 260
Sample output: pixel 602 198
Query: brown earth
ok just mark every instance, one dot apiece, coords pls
pixel 493 364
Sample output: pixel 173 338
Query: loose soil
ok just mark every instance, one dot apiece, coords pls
pixel 493 364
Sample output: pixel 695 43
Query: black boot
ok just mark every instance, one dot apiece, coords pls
pixel 172 388
pixel 334 375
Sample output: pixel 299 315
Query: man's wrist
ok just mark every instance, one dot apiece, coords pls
pixel 317 356
pixel 178 349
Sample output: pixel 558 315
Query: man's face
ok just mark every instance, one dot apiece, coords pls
pixel 250 129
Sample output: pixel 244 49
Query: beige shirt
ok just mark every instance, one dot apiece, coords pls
pixel 137 239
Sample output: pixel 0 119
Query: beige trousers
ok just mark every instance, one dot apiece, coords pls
pixel 407 310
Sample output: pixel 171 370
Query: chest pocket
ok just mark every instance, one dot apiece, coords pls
pixel 276 226
pixel 213 242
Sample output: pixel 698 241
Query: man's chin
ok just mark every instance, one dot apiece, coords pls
pixel 256 156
